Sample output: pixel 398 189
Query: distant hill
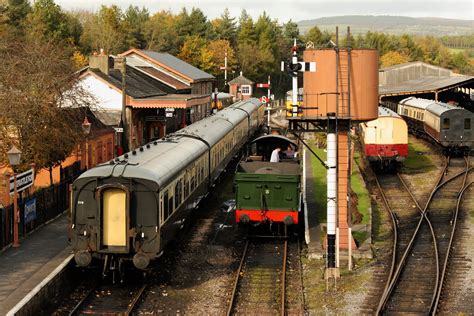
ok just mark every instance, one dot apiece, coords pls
pixel 397 25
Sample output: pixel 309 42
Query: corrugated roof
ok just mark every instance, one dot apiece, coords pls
pixel 424 85
pixel 178 65
pixel 138 85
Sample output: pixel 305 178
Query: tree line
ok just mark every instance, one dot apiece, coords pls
pixel 41 45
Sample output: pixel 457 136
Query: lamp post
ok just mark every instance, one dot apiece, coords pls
pixel 14 156
pixel 86 128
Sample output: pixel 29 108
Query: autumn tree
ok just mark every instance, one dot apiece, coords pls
pixel 191 50
pixel 36 94
pixel 161 33
pixel 393 58
pixel 48 21
pixel 213 54
pixel 16 12
pixel 104 31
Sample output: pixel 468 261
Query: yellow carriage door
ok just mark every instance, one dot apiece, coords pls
pixel 114 218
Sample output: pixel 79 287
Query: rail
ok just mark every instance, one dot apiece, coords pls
pixel 90 305
pixel 394 273
pixel 240 273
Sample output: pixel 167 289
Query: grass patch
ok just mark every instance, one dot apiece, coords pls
pixel 360 236
pixel 417 161
pixel 456 50
pixel 358 186
pixel 320 188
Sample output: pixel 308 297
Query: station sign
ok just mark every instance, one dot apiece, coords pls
pixel 154 118
pixel 30 211
pixel 118 129
pixel 23 181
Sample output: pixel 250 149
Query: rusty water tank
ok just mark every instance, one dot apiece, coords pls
pixel 321 95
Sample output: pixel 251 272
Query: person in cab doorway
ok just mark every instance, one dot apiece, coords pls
pixel 275 157
pixel 290 153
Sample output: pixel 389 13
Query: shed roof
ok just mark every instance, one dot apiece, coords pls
pixel 419 78
pixel 425 85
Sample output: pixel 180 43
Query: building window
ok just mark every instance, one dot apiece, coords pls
pixel 467 123
pixel 245 89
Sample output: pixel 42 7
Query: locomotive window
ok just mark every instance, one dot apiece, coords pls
pixel 467 123
pixel 445 123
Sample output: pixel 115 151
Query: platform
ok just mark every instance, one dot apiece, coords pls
pixel 23 268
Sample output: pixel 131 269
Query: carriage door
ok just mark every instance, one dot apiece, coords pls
pixel 114 218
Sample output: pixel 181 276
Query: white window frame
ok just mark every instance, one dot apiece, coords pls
pixel 243 89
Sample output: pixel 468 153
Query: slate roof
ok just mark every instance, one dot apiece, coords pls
pixel 178 65
pixel 241 80
pixel 109 117
pixel 138 85
pixel 178 85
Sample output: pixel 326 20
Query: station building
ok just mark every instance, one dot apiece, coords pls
pixel 162 92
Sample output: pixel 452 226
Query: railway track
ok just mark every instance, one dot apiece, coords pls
pixel 109 300
pixel 458 276
pixel 421 242
pixel 260 285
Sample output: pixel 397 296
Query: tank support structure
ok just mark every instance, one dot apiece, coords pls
pixel 342 91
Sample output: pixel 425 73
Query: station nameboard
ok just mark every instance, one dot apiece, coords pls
pixel 23 181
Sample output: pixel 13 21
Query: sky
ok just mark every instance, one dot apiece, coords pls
pixel 296 10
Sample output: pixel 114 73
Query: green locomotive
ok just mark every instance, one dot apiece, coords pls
pixel 269 191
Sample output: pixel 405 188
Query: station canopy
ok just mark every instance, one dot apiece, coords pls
pixel 419 78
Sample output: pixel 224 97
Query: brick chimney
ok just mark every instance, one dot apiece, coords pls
pixel 100 62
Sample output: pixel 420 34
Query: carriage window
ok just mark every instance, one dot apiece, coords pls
pixel 177 193
pixel 445 123
pixel 193 183
pixel 467 123
pixel 170 206
pixel 166 205
pixel 186 189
